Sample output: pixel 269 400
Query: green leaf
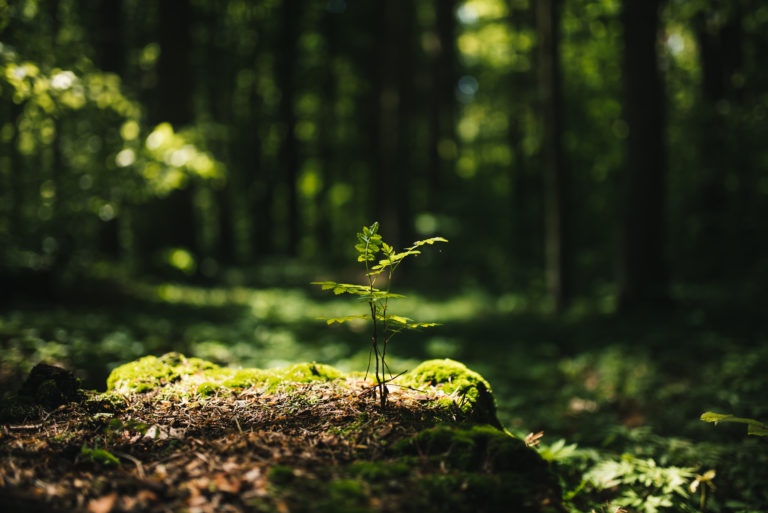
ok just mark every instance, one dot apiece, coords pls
pixel 341 320
pixel 714 417
pixel 754 427
pixel 100 456
pixel 399 256
pixel 429 241
pixel 325 285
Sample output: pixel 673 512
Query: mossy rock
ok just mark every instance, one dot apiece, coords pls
pixel 460 385
pixel 50 386
pixel 151 372
pixel 201 377
pixel 492 468
pixel 455 385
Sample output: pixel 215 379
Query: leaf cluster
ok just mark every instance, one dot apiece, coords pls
pixel 378 257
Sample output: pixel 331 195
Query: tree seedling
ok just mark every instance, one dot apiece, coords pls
pixel 379 260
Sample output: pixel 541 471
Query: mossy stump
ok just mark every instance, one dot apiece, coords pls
pixel 301 438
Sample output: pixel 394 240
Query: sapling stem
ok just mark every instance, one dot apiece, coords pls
pixel 369 246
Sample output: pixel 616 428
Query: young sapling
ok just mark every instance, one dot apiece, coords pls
pixel 379 260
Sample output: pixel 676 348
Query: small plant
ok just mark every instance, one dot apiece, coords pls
pixel 371 248
pixel 754 427
pixel 98 455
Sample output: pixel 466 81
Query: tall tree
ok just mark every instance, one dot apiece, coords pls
pixel 109 45
pixel 719 34
pixel 643 273
pixel 170 221
pixel 288 161
pixel 442 108
pixel 553 163
pixel 393 23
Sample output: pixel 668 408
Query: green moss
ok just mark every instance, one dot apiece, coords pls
pixel 151 372
pixel 344 496
pixel 379 470
pixel 208 388
pixel 305 372
pixel 473 448
pixel 180 376
pixel 242 378
pixel 482 469
pixel 280 475
pixel 104 402
pixel 206 378
pixel 463 387
pixel 346 490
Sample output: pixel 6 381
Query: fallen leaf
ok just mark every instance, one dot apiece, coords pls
pixel 102 504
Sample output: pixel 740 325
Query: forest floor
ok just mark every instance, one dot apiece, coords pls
pixel 617 397
pixel 321 446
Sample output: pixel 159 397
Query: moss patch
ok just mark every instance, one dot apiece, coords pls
pixel 151 372
pixel 195 376
pixel 300 438
pixel 459 385
pixel 450 384
pixel 484 469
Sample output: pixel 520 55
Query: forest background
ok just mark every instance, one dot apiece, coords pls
pixel 174 173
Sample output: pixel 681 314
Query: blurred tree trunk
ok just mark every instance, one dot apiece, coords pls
pixel 526 238
pixel 288 159
pixel 109 48
pixel 406 107
pixel 109 35
pixel 554 167
pixel 18 192
pixel 170 221
pixel 393 93
pixel 384 123
pixel 442 108
pixel 643 273
pixel 219 83
pixel 719 35
pixel 327 132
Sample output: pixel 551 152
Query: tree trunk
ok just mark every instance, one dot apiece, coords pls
pixel 110 56
pixel 393 96
pixel 553 163
pixel 288 160
pixel 719 38
pixel 109 37
pixel 643 278
pixel 442 108
pixel 171 221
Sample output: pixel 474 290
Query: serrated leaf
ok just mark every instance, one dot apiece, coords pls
pixel 341 320
pixel 417 325
pixel 429 241
pixel 399 256
pixel 714 417
pixel 325 285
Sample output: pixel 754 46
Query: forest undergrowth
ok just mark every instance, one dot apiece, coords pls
pixel 618 399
